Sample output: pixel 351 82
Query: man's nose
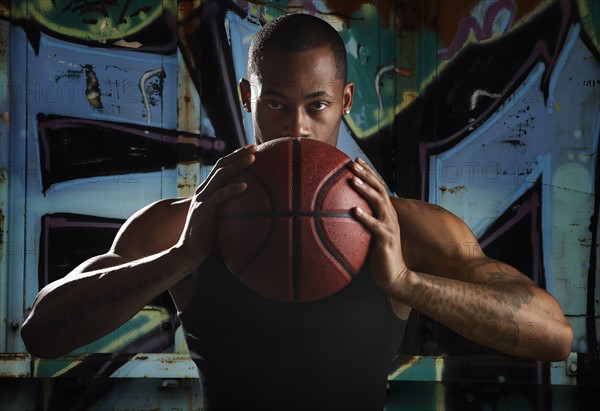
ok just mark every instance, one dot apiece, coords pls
pixel 297 124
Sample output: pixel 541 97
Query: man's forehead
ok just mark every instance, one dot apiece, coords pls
pixel 291 89
pixel 273 63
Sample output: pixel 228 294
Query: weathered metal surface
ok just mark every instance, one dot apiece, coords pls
pixel 15 365
pixel 5 174
pixel 480 370
pixel 149 365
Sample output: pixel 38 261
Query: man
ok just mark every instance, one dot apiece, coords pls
pixel 334 353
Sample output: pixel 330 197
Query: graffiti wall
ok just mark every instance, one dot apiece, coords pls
pixel 489 108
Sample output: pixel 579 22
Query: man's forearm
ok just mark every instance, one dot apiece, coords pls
pixel 511 316
pixel 88 304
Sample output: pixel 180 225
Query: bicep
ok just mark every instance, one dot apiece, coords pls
pixel 128 245
pixel 151 230
pixel 487 270
pixel 99 262
pixel 437 242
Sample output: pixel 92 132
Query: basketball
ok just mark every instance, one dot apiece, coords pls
pixel 291 236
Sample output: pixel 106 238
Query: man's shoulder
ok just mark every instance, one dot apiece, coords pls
pixel 166 208
pixel 410 205
pixel 427 223
pixel 167 205
pixel 419 214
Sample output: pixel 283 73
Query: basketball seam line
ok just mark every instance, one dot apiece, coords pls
pixel 271 226
pixel 296 187
pixel 296 214
pixel 320 233
pixel 281 214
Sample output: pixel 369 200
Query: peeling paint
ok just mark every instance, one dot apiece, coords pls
pixel 128 44
pixel 453 190
pixel 147 92
pixel 514 143
pixel 1 233
pixel 92 90
pixel 591 83
pixel 70 74
pixel 15 365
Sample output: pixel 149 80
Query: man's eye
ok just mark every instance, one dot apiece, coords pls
pixel 273 105
pixel 319 105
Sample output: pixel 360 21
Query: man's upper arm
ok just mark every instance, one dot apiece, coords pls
pixel 139 237
pixel 435 241
pixel 150 230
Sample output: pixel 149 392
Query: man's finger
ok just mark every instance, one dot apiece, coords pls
pixel 226 192
pixel 227 168
pixel 366 172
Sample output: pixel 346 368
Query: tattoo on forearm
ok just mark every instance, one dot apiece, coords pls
pixel 514 295
pixel 488 318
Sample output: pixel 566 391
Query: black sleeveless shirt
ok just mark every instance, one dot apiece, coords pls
pixel 257 354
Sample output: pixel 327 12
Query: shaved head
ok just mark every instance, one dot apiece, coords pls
pixel 296 33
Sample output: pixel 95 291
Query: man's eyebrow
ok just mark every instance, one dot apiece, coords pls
pixel 314 94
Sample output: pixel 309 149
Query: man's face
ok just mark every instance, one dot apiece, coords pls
pixel 297 95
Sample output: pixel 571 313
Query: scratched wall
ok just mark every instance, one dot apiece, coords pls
pixel 489 108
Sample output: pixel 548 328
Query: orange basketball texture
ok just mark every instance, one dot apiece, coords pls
pixel 291 236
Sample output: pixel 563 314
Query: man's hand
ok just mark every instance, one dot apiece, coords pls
pixel 197 239
pixel 387 263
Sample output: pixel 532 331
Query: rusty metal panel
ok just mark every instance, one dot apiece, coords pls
pixel 4 174
pixel 15 365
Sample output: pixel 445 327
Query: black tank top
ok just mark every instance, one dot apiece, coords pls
pixel 257 354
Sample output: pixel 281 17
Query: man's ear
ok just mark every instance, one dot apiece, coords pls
pixel 348 94
pixel 246 94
